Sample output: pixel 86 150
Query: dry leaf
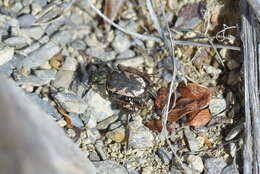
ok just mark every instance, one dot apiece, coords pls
pixel 162 98
pixel 56 60
pixel 154 125
pixel 200 118
pixel 197 92
pixel 67 118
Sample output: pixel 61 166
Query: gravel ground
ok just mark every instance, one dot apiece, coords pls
pixel 60 53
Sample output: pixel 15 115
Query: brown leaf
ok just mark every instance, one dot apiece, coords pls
pixel 67 118
pixel 162 98
pixel 200 118
pixel 111 9
pixel 196 92
pixel 183 107
pixel 154 125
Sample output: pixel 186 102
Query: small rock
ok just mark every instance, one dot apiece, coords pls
pixel 109 167
pixel 70 64
pixel 115 125
pixel 94 103
pixel 99 145
pixel 214 165
pixel 93 135
pixel 71 102
pixel 234 132
pixel 101 54
pixel 132 62
pixel 121 42
pixel 231 169
pixel 6 53
pixel 105 123
pixel 93 156
pixel 63 79
pixel 26 20
pixel 76 121
pixel 71 133
pixel 195 162
pixel 27 50
pixel 34 80
pixel 117 135
pixel 47 75
pixel 126 54
pixel 62 37
pixel 33 32
pixel 194 144
pixel 164 155
pixel 45 106
pixel 16 41
pixel 61 123
pixel 78 44
pixel 215 72
pixel 41 55
pixel 217 105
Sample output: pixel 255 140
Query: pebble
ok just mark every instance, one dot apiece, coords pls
pixel 76 121
pixel 6 53
pixel 94 103
pixel 45 106
pixel 78 44
pixel 217 105
pixel 105 123
pixel 117 135
pixel 62 37
pixel 93 135
pixel 193 142
pixel 26 20
pixel 231 169
pixel 63 79
pixel 132 62
pixel 33 32
pixel 195 163
pixel 109 167
pixel 93 156
pixel 164 155
pixel 40 56
pixel 115 125
pixel 47 75
pixel 215 72
pixel 121 42
pixel 34 80
pixel 234 132
pixel 101 54
pixel 214 165
pixel 126 54
pixel 61 123
pixel 71 133
pixel 16 41
pixel 71 102
pixel 27 50
pixel 99 145
pixel 70 64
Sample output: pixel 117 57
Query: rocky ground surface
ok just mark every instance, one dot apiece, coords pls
pixel 50 48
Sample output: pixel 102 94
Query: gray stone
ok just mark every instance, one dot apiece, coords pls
pixel 97 106
pixel 121 42
pixel 164 155
pixel 101 54
pixel 40 56
pixel 33 32
pixel 63 79
pixel 71 102
pixel 140 136
pixel 70 64
pixel 46 75
pixel 234 132
pixel 45 106
pixel 126 54
pixel 194 144
pixel 117 135
pixel 76 121
pixel 93 156
pixel 214 165
pixel 175 171
pixel 78 44
pixel 115 125
pixel 217 105
pixel 93 135
pixel 54 26
pixel 6 69
pixel 195 163
pixel 133 62
pixel 6 53
pixel 105 123
pixel 16 41
pixel 62 37
pixel 99 145
pixel 7 21
pixel 231 169
pixel 109 167
pixel 212 71
pixel 27 50
pixel 26 20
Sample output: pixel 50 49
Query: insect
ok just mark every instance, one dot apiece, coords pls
pixel 129 87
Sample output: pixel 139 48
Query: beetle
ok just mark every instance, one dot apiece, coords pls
pixel 129 87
